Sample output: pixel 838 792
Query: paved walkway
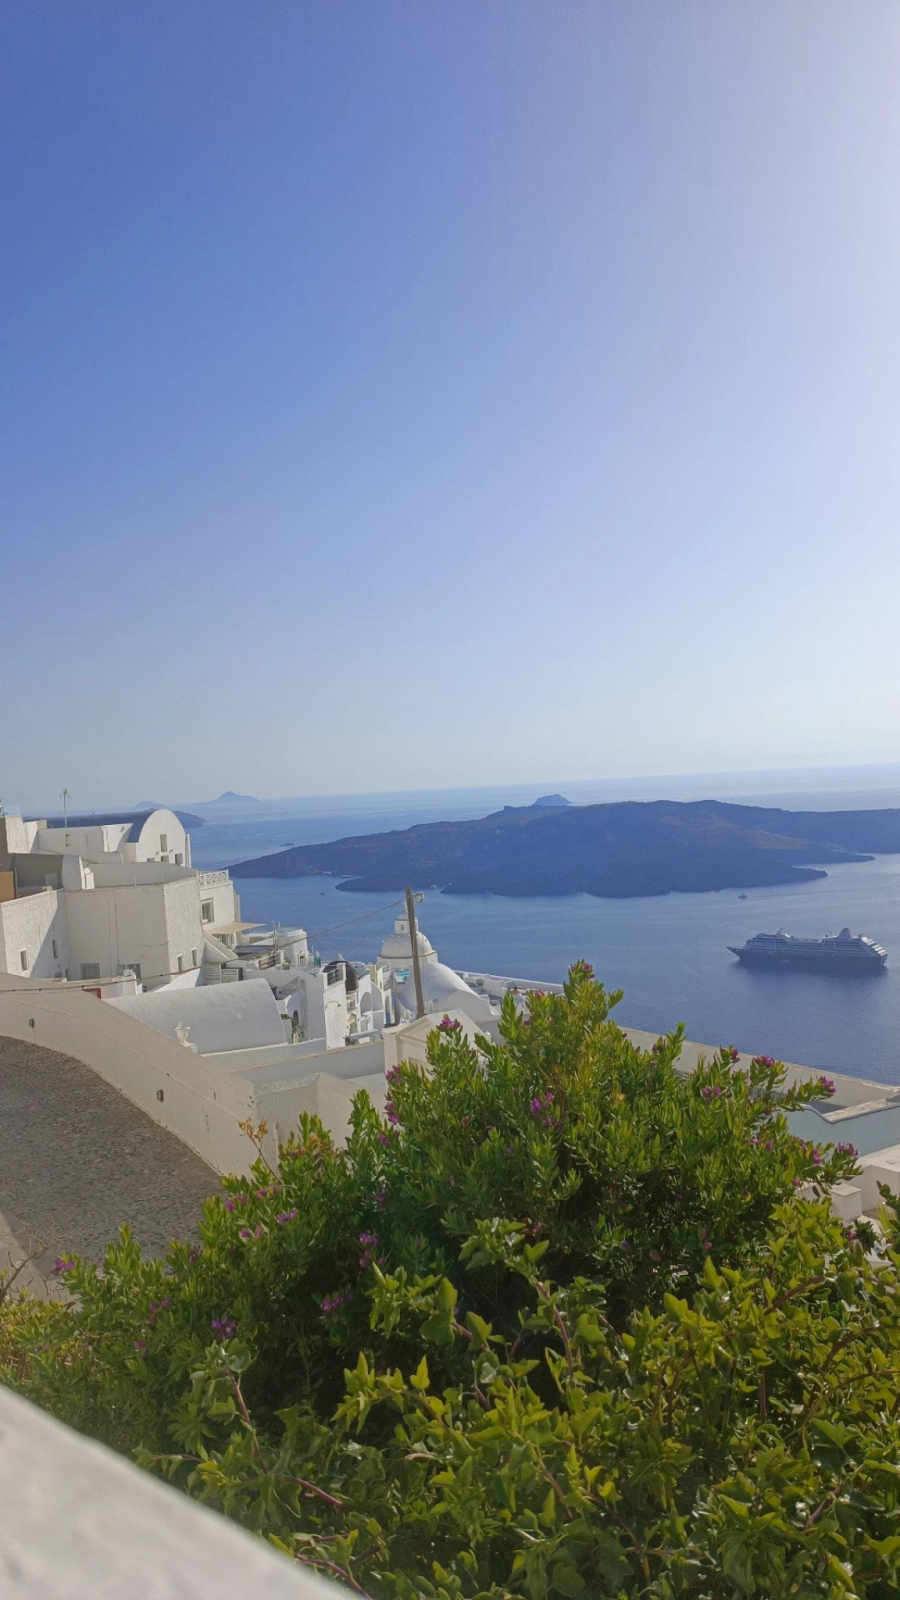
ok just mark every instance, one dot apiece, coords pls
pixel 77 1159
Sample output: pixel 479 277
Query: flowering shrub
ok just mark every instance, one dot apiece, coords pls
pixel 563 1322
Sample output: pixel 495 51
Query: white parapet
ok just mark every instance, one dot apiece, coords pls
pixel 79 1521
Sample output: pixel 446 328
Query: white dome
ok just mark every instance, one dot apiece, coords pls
pixel 398 945
pixel 442 990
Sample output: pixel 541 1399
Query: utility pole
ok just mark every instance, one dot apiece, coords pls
pixel 64 797
pixel 414 945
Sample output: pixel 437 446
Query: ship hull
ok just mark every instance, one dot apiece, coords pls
pixel 777 960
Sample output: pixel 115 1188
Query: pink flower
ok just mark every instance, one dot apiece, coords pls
pixel 826 1085
pixel 286 1216
pixel 61 1265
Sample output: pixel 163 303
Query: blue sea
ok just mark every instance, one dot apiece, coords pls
pixel 668 953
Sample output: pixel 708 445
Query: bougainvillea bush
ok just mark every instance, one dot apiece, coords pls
pixel 561 1322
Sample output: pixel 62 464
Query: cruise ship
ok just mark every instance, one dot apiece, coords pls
pixel 837 952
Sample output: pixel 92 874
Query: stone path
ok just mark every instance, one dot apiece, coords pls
pixel 77 1159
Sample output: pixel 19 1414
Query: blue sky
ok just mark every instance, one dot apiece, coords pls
pixel 400 395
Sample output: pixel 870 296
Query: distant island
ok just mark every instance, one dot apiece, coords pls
pixel 552 801
pixel 624 849
pixel 223 801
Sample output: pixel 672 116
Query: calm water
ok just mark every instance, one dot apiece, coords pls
pixel 668 953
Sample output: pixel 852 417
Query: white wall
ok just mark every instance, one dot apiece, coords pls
pixel 31 924
pixel 320 1006
pixel 152 925
pixel 200 1104
pixel 17 837
pixel 161 827
pixel 221 892
pixel 79 1521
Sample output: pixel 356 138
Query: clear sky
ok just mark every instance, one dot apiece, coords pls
pixel 400 395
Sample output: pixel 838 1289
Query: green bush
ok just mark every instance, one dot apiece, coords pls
pixel 564 1322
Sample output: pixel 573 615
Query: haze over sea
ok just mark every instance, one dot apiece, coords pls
pixel 668 952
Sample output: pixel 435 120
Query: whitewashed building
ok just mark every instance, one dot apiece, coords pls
pixel 90 903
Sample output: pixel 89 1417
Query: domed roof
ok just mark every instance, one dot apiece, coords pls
pixel 398 944
pixel 443 988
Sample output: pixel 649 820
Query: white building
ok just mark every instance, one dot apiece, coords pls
pixel 442 988
pixel 88 903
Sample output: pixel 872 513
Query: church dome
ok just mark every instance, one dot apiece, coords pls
pixel 398 946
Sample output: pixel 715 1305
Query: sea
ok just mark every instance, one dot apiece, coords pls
pixel 667 953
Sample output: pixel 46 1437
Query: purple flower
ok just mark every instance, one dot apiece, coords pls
pixel 246 1234
pixel 764 1061
pixel 392 1074
pixel 536 1107
pixel 852 1235
pixel 446 1026
pixel 624 1245
pixel 383 1138
pixel 368 1238
pixel 826 1085
pixel 707 1245
pixel 229 1205
pixel 61 1265
pixel 847 1150
pixel 381 1199
pixel 817 1158
pixel 140 1346
pixel 510 1150
pixel 710 1093
pixel 734 1054
pixel 798 1183
pixel 224 1327
pixel 466 1120
pixel 334 1303
pixel 286 1216
pixel 193 1254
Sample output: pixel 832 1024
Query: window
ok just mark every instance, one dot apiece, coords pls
pixel 193 958
pixel 23 960
pixel 206 911
pixel 181 963
pixel 163 843
pixel 90 969
pixel 55 948
pixel 179 859
pixel 136 969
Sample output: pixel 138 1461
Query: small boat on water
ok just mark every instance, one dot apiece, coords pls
pixel 837 952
